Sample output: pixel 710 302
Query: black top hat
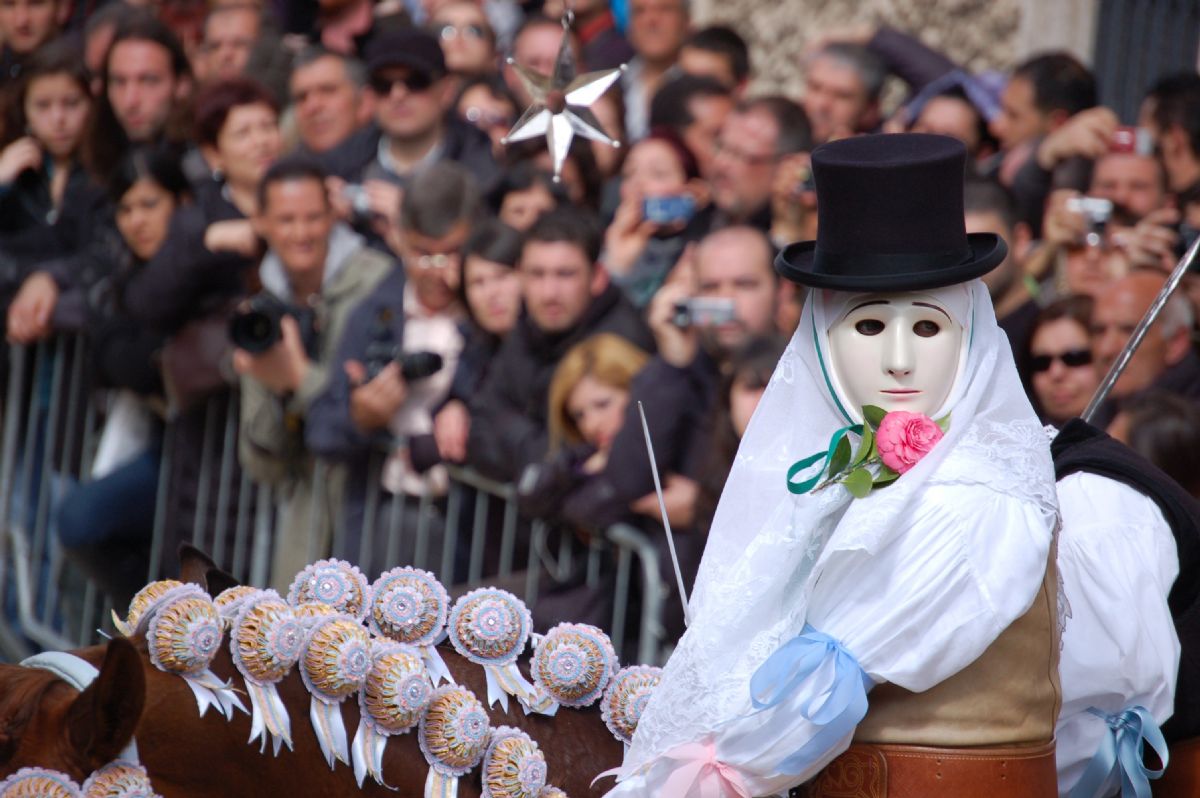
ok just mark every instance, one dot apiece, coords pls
pixel 890 218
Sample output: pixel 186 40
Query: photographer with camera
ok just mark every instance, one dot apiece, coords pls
pixel 397 359
pixel 315 271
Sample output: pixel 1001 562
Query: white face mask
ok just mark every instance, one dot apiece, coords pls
pixel 896 351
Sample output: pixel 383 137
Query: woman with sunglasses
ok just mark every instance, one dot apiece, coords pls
pixel 1060 360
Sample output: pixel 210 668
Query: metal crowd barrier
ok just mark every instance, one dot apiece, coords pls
pixel 51 425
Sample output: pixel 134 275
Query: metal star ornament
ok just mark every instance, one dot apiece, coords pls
pixel 561 107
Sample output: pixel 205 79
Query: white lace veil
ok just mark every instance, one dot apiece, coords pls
pixel 766 544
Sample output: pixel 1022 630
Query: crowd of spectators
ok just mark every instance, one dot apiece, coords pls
pixel 412 292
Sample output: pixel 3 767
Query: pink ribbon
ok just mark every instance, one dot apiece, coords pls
pixel 699 767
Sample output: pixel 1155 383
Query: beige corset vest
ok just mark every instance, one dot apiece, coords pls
pixel 1010 695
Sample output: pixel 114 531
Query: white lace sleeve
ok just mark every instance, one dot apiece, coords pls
pixel 1117 561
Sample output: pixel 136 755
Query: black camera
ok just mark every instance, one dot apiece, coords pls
pixel 383 348
pixel 413 365
pixel 255 326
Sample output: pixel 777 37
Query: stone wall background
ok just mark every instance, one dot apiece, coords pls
pixel 980 34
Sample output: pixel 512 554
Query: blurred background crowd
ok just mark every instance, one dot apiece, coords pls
pixel 309 208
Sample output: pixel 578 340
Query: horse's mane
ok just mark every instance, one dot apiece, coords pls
pixel 21 698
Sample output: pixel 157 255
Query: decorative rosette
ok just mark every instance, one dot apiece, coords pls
pixel 266 641
pixel 119 779
pixel 335 664
pixel 626 699
pixel 551 792
pixel 39 783
pixel 573 664
pixel 513 767
pixel 453 736
pixel 335 583
pixel 183 635
pixel 143 600
pixel 392 701
pixel 410 606
pixel 491 628
pixel 230 600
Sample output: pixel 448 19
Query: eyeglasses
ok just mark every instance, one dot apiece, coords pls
pixel 436 260
pixel 414 82
pixel 1072 360
pixel 472 31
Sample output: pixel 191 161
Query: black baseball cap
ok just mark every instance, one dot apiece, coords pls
pixel 407 47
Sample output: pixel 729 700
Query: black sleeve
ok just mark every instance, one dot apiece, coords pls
pixel 328 429
pixel 167 291
pixel 908 58
pixel 503 438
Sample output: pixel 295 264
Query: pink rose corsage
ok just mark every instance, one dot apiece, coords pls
pixel 904 438
pixel 890 444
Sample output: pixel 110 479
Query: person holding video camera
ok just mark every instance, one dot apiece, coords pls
pixel 315 272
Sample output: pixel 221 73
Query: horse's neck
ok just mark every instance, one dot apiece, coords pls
pixel 189 756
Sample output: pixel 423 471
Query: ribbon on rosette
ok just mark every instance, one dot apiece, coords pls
pixel 491 628
pixel 410 606
pixel 395 695
pixel 183 630
pixel 453 734
pixel 334 665
pixel 267 640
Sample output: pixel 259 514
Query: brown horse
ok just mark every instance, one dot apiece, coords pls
pixel 46 723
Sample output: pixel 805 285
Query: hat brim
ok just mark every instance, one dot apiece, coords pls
pixel 988 251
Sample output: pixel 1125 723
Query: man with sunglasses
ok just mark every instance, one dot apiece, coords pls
pixel 409 87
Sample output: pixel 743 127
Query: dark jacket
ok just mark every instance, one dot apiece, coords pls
pixel 678 404
pixel 328 430
pixel 509 413
pixel 26 203
pixel 1081 447
pixel 185 280
pixel 356 158
pixel 908 58
pixel 84 217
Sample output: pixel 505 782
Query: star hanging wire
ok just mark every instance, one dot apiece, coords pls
pixel 561 107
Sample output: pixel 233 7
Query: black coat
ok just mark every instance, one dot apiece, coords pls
pixel 185 280
pixel 509 412
pixel 678 404
pixel 356 158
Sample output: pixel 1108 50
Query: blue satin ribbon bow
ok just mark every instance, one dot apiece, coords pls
pixel 837 710
pixel 1122 750
pixel 822 457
